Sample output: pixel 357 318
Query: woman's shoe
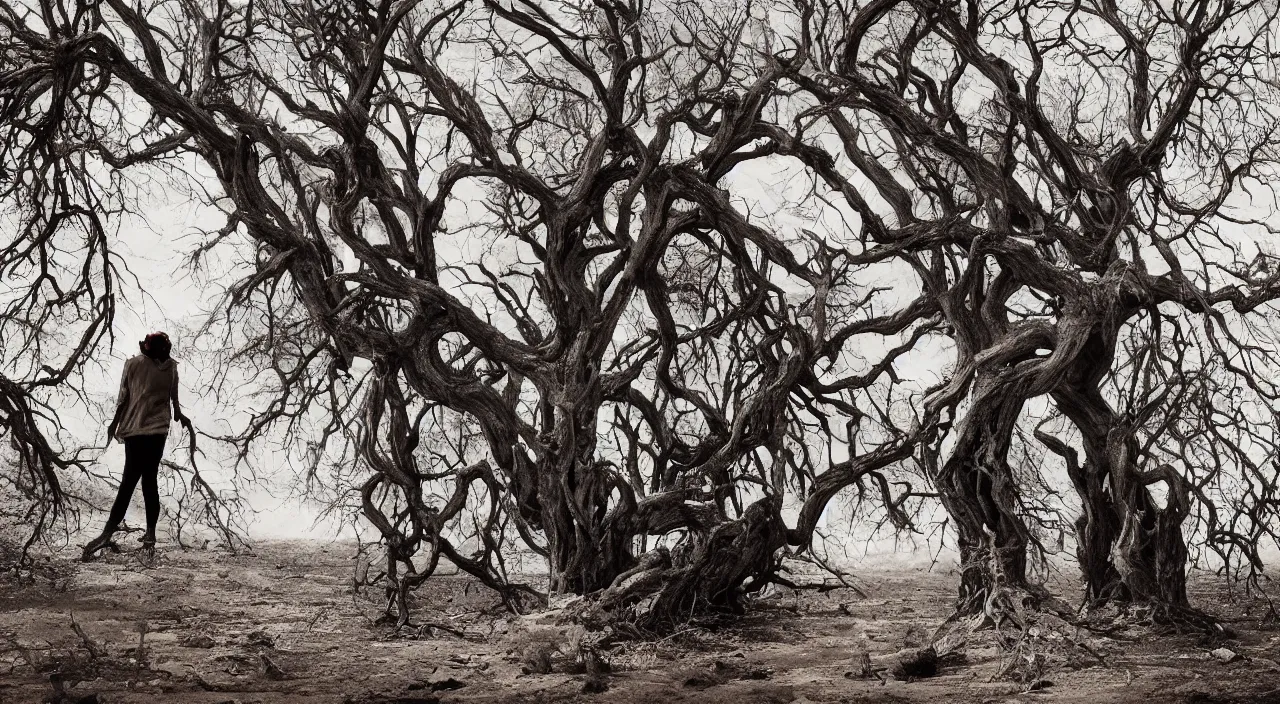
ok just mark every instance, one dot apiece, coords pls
pixel 95 545
pixel 148 541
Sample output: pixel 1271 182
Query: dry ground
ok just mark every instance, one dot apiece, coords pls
pixel 283 625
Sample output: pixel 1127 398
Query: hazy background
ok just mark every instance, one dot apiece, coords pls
pixel 161 291
pixel 156 244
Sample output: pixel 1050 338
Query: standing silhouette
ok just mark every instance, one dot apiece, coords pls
pixel 141 421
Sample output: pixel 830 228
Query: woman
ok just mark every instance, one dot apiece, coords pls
pixel 141 422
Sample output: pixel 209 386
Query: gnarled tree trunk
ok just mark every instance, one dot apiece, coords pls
pixel 977 488
pixel 1098 526
pixel 1131 551
pixel 710 573
pixel 1150 554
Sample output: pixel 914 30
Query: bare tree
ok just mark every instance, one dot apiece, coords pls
pixel 499 271
pixel 1055 171
pixel 1194 422
pixel 544 258
pixel 60 282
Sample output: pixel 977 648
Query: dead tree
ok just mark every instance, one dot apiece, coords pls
pixel 532 303
pixel 1051 177
pixel 61 279
pixel 1194 424
pixel 545 258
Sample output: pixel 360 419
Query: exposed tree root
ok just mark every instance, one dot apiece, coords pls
pixel 1032 628
pixel 1027 623
pixel 1030 632
pixel 1166 617
pixel 710 575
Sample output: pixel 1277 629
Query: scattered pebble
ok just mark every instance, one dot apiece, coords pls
pixel 196 640
pixel 1225 655
pixel 262 638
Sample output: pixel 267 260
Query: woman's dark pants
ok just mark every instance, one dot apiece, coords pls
pixel 142 455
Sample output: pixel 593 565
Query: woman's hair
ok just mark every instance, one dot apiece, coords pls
pixel 156 346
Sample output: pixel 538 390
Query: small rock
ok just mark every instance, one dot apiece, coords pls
pixel 916 664
pixel 445 684
pixel 1224 655
pixel 173 667
pixel 261 637
pixel 699 682
pixel 1193 691
pixel 271 669
pixel 196 640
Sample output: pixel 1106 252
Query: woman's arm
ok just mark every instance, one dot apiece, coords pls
pixel 122 402
pixel 173 396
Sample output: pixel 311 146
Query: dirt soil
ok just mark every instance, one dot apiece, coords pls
pixel 283 624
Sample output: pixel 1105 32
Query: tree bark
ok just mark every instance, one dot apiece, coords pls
pixel 711 573
pixel 587 551
pixel 1150 554
pixel 977 488
pixel 1131 551
pixel 1098 526
pixel 585 554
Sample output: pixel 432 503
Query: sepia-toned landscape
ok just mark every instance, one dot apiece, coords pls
pixel 789 351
